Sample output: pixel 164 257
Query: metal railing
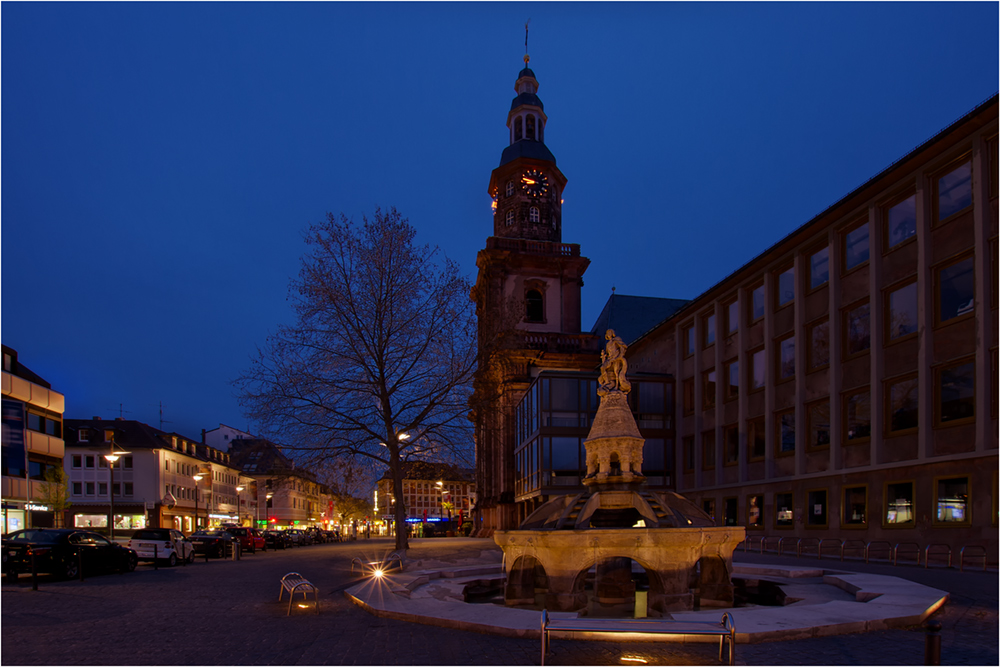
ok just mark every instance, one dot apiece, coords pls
pixel 806 543
pixel 936 550
pixel 975 551
pixel 911 548
pixel 830 541
pixel 878 547
pixel 876 550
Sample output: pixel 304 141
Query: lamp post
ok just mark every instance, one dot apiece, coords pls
pixel 112 457
pixel 239 520
pixel 197 478
pixel 267 506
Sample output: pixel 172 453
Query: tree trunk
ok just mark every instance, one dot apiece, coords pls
pixel 402 544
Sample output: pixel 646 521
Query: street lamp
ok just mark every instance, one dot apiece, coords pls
pixel 197 478
pixel 111 458
pixel 238 505
pixel 268 506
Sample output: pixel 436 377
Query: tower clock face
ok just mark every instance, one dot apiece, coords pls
pixel 535 183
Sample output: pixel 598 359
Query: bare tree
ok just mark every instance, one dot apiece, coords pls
pixel 378 366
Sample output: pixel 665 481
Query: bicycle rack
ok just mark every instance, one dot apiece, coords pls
pixel 830 540
pixel 781 543
pixel 748 543
pixel 962 555
pixel 880 545
pixel 910 547
pixel 855 545
pixel 806 543
pixel 936 550
pixel 764 547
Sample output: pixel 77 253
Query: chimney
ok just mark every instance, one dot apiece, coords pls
pixel 96 418
pixel 119 419
pixel 203 436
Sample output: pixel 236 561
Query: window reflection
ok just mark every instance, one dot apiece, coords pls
pixel 856 246
pixel 956 290
pixel 953 500
pixel 903 403
pixel 956 392
pixel 855 505
pixel 902 221
pixel 819 268
pixel 903 311
pixel 858 331
pixel 786 287
pixel 955 191
pixel 899 503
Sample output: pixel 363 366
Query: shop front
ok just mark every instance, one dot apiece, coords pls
pixel 128 517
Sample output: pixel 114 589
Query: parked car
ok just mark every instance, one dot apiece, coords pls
pixel 250 539
pixel 300 537
pixel 213 541
pixel 58 551
pixel 166 544
pixel 276 539
pixel 316 535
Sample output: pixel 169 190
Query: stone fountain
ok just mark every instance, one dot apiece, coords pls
pixel 617 521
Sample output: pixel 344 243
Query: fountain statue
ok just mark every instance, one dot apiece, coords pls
pixel 615 521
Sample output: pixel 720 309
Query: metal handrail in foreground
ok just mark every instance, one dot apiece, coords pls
pixel 962 555
pixel 909 547
pixel 936 550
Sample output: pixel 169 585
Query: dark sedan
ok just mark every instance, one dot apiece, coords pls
pixel 217 543
pixel 60 551
pixel 276 539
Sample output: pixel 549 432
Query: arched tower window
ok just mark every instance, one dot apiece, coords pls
pixel 529 130
pixel 541 130
pixel 510 188
pixel 517 129
pixel 533 214
pixel 534 307
pixel 510 217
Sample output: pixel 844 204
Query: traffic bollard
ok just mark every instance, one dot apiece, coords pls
pixel 932 643
pixel 156 556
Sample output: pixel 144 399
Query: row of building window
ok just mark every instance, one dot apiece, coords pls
pixel 100 489
pixel 954 403
pixel 42 424
pixel 954 297
pixel 951 507
pixel 88 461
pixel 955 293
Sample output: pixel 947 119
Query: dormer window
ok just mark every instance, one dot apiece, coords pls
pixel 517 129
pixel 510 188
pixel 533 214
pixel 529 132
pixel 510 218
pixel 83 435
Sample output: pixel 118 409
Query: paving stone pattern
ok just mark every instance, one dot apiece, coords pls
pixel 227 613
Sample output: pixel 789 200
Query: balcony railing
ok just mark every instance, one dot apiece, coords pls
pixel 527 246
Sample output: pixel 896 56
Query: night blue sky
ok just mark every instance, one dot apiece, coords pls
pixel 160 161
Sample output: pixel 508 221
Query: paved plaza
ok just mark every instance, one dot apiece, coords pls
pixel 227 613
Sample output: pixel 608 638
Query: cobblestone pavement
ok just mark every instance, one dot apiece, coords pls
pixel 227 613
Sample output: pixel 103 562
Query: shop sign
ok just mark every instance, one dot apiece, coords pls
pixel 37 508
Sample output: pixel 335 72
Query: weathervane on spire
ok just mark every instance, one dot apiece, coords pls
pixel 526 56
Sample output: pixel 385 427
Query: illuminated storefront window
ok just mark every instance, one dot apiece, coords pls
pixel 899 503
pixel 952 500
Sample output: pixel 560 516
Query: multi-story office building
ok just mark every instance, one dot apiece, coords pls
pixel 159 479
pixel 32 445
pixel 843 383
pixel 428 491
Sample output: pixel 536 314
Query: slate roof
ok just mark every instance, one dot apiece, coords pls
pixel 258 455
pixel 633 316
pixel 526 148
pixel 131 435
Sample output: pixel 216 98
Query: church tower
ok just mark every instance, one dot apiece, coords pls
pixel 527 296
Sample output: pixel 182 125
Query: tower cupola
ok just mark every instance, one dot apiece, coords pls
pixel 527 186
